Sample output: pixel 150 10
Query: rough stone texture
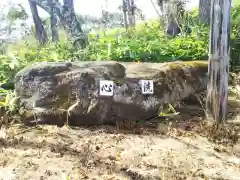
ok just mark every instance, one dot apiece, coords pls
pixel 47 90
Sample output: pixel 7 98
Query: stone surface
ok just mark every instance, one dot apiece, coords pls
pixel 47 90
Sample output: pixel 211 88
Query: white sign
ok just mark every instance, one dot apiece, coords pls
pixel 106 88
pixel 147 86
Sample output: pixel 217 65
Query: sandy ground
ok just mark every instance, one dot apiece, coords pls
pixel 179 148
pixel 174 150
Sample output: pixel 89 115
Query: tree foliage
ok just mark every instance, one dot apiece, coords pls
pixel 17 12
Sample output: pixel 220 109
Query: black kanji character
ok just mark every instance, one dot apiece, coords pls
pixel 106 88
pixel 147 87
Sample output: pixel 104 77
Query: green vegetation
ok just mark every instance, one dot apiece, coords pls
pixel 147 42
pixel 236 2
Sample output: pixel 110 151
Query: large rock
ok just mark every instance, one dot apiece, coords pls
pixel 47 90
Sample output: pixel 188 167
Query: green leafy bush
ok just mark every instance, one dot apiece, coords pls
pixel 147 42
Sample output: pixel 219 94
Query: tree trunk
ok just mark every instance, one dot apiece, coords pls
pixel 129 13
pixel 69 3
pixel 54 30
pixel 171 11
pixel 66 15
pixel 217 96
pixel 160 4
pixel 204 11
pixel 173 27
pixel 105 17
pixel 124 7
pixel 133 8
pixel 41 34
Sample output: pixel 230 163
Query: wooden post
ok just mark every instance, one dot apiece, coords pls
pixel 217 96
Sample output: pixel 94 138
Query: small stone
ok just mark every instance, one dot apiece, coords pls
pixel 97 148
pixel 113 158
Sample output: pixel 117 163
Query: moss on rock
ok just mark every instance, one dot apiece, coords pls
pixel 192 64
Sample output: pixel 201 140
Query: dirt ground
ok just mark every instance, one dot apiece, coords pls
pixel 160 149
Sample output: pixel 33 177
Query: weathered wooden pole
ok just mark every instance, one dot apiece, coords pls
pixel 217 96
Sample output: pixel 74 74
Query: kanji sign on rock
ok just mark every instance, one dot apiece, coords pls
pixel 106 88
pixel 147 86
